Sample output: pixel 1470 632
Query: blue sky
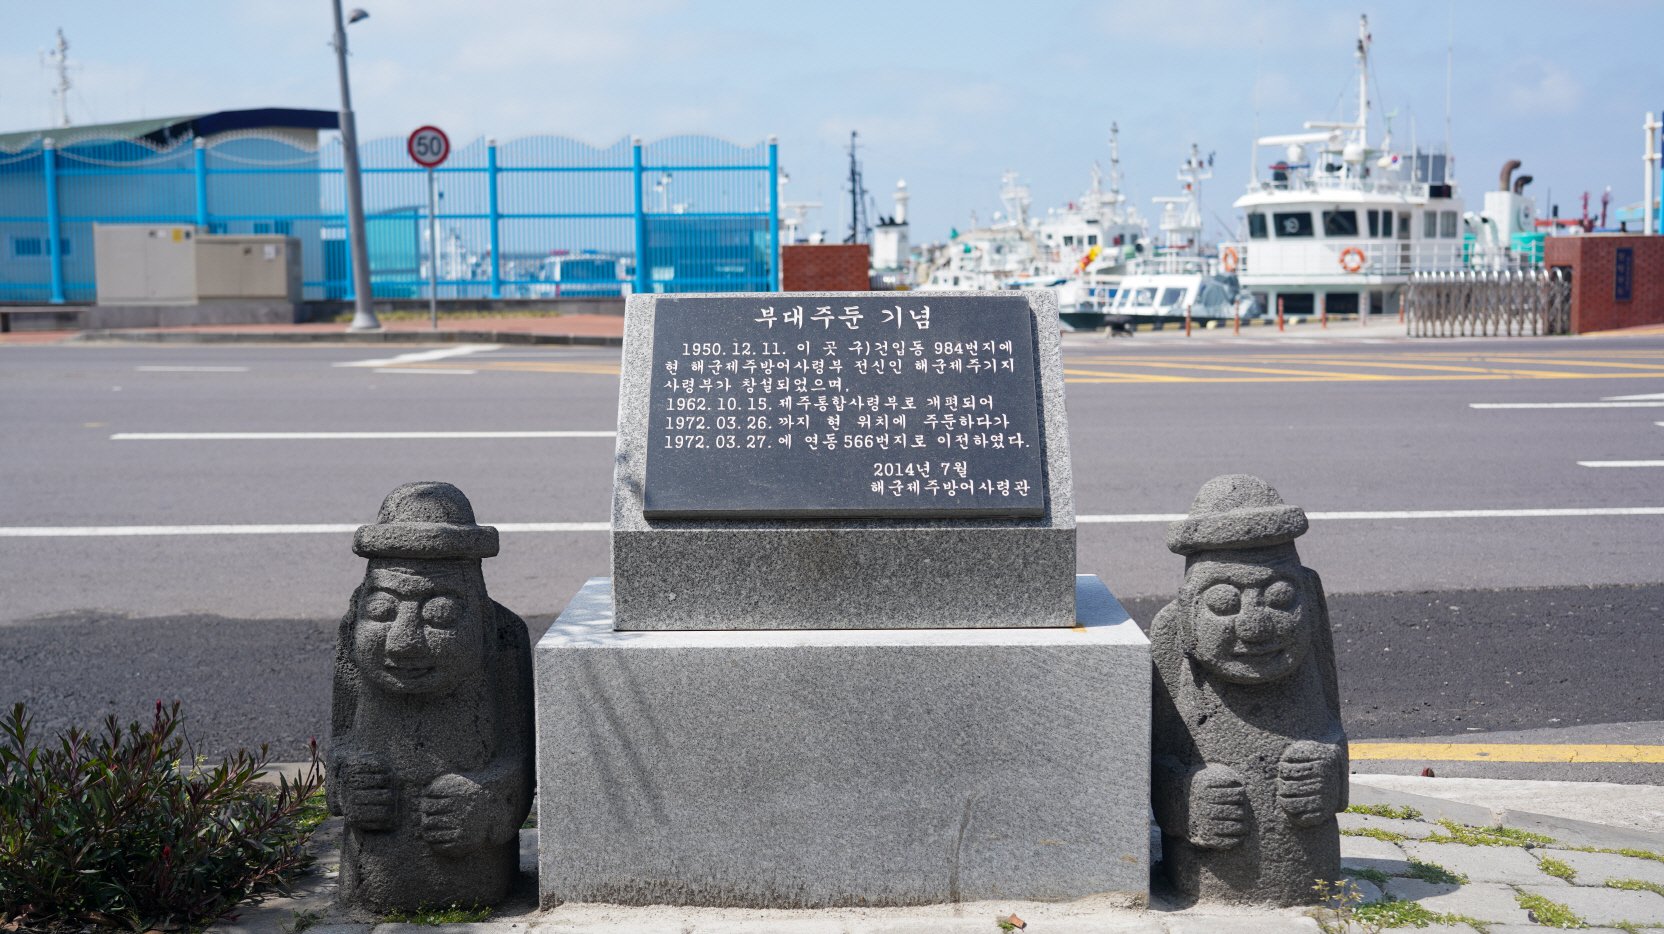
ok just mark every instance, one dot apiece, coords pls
pixel 945 95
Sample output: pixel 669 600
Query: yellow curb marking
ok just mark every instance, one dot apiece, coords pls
pixel 1506 752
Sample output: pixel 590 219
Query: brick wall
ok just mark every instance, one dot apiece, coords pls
pixel 824 267
pixel 1593 262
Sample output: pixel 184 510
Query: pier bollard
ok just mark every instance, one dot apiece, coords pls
pixel 1279 314
pixel 1187 321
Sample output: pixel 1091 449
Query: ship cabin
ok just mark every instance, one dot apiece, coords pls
pixel 1337 235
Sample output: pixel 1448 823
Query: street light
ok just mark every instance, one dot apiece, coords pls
pixel 358 243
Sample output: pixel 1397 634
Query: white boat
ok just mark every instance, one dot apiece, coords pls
pixel 1178 278
pixel 1339 223
pixel 1080 250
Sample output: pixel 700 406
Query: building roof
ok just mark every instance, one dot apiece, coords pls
pixel 163 132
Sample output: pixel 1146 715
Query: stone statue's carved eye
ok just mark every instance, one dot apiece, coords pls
pixel 381 606
pixel 442 612
pixel 1222 600
pixel 1281 595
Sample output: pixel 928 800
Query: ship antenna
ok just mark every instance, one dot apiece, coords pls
pixel 1115 160
pixel 59 60
pixel 1449 71
pixel 858 229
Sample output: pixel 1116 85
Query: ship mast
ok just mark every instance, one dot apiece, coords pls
pixel 1362 132
pixel 59 59
pixel 859 230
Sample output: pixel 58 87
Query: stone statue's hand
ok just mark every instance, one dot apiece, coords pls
pixel 367 791
pixel 1308 787
pixel 1218 808
pixel 454 818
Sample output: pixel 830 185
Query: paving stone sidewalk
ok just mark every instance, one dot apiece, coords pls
pixel 1401 870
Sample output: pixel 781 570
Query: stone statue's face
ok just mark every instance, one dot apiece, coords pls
pixel 420 626
pixel 1253 620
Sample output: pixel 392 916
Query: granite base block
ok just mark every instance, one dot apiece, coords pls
pixel 821 768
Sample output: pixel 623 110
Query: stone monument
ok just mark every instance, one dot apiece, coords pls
pixel 844 657
pixel 1249 756
pixel 430 746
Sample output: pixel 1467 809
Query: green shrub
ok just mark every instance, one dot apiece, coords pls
pixel 118 829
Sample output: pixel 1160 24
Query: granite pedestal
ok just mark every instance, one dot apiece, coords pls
pixel 840 767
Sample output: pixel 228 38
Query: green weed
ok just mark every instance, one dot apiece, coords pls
pixel 1385 810
pixel 1549 913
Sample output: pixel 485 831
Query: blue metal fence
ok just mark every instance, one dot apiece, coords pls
pixel 538 217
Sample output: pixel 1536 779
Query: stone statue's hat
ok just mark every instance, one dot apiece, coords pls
pixel 425 520
pixel 1236 511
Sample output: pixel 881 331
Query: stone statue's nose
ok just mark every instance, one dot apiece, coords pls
pixel 1254 623
pixel 404 637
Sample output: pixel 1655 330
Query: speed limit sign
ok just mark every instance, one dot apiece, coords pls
pixel 429 146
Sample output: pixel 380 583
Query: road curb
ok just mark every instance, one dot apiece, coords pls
pixel 346 337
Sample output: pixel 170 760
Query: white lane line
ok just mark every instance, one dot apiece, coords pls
pixel 424 356
pixel 1620 463
pixel 1641 398
pixel 129 531
pixel 191 369
pixel 124 531
pixel 425 371
pixel 348 435
pixel 1417 514
pixel 1565 405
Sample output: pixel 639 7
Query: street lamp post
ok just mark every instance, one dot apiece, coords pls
pixel 363 315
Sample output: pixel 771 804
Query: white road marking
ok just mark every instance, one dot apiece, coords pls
pixel 1615 404
pixel 191 369
pixel 349 435
pixel 123 531
pixel 127 531
pixel 1418 514
pixel 1641 398
pixel 425 371
pixel 424 356
pixel 1620 463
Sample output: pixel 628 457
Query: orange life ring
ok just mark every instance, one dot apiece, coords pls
pixel 1228 259
pixel 1351 259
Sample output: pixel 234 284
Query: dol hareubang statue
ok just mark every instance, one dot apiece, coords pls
pixel 430 754
pixel 1249 759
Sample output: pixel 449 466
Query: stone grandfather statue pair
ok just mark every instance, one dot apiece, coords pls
pixel 430 760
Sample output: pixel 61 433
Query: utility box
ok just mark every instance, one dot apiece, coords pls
pixel 141 264
pixel 235 266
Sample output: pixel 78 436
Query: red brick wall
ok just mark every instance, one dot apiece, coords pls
pixel 824 267
pixel 1593 261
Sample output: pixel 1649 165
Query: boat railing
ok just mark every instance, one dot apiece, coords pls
pixel 1307 184
pixel 1331 258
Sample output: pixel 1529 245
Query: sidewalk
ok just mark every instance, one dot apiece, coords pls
pixel 1467 864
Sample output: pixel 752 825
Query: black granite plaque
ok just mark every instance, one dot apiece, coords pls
pixel 911 406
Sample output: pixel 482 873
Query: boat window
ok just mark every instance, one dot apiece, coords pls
pixel 1340 223
pixel 1256 226
pixel 1447 224
pixel 1293 224
pixel 1144 297
pixel 1375 223
pixel 1430 225
pixel 1068 239
pixel 1091 239
pixel 1171 297
pixel 1297 303
pixel 1386 223
pixel 1341 303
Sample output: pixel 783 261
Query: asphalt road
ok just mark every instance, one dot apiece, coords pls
pixel 1449 619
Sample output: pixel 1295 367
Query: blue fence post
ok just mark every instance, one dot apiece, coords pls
pixel 641 281
pixel 200 167
pixel 774 213
pixel 54 247
pixel 491 208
